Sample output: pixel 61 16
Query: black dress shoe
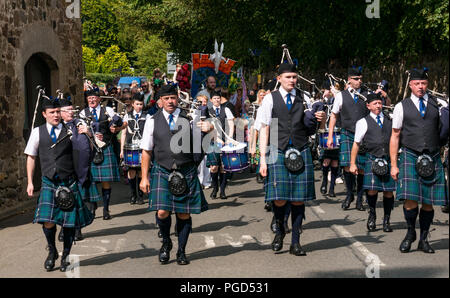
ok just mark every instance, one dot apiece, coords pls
pixel 164 252
pixel 444 208
pixel 323 188
pixel 277 243
pixel 133 199
pixel 64 263
pixel 181 259
pixel 348 200
pixel 61 235
pixel 259 178
pixel 223 196
pixel 49 263
pixel 386 225
pixel 78 235
pixel 331 193
pixel 297 250
pixel 359 204
pixel 424 245
pixel 371 221
pixel 140 200
pixel 268 207
pixel 405 246
pixel 213 194
pixel 106 215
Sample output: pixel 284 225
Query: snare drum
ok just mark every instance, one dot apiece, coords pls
pixel 323 138
pixel 235 158
pixel 132 155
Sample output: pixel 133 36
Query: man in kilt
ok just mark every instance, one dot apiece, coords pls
pixel 213 160
pixel 350 108
pixel 375 131
pixel 58 170
pixel 415 128
pixel 160 133
pixel 83 155
pixel 105 123
pixel 295 124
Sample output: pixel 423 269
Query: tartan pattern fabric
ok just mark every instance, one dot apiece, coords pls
pixel 213 159
pixel 108 171
pixel 160 198
pixel 410 186
pixel 46 210
pixel 346 143
pixel 375 182
pixel 281 184
pixel 91 194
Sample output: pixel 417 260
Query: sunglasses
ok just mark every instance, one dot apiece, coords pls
pixel 356 78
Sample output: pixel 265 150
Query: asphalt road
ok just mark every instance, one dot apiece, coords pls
pixel 231 240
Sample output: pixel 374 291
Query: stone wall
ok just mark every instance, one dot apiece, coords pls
pixel 28 27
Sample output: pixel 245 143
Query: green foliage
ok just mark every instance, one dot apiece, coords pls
pixel 90 59
pixel 151 53
pixel 113 58
pixel 97 78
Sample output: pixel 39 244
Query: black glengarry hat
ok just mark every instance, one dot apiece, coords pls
pixel 286 67
pixel 373 96
pixel 50 103
pixel 355 71
pixel 419 74
pixel 168 90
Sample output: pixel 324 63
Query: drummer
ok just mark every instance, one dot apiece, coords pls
pixel 349 108
pixel 226 122
pixel 328 157
pixel 135 122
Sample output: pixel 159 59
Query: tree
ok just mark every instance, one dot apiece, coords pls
pixel 151 53
pixel 90 60
pixel 113 58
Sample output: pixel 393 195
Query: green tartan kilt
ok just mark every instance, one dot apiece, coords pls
pixel 375 182
pixel 281 184
pixel 346 144
pixel 160 198
pixel 91 193
pixel 108 171
pixel 410 186
pixel 213 159
pixel 47 211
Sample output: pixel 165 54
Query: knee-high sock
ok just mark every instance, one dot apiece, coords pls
pixel 223 181
pixel 372 202
pixel 334 175
pixel 359 185
pixel 410 217
pixel 298 214
pixel 215 181
pixel 287 211
pixel 50 235
pixel 69 235
pixel 184 227
pixel 133 186
pixel 164 226
pixel 279 217
pixel 388 205
pixel 325 171
pixel 106 198
pixel 425 220
pixel 349 182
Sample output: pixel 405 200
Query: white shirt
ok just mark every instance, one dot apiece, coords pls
pixel 361 126
pixel 228 112
pixel 397 120
pixel 147 138
pixel 32 148
pixel 265 110
pixel 109 111
pixel 126 118
pixel 338 101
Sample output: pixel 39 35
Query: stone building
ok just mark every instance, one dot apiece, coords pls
pixel 39 45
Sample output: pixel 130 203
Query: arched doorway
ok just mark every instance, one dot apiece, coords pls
pixel 41 70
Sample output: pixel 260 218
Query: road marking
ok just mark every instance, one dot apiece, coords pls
pixel 240 243
pixel 318 209
pixel 209 240
pixel 356 245
pixel 266 239
pixel 120 244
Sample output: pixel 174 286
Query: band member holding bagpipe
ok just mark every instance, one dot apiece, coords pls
pixel 214 162
pixel 328 157
pixel 130 138
pixel 60 202
pixel 289 178
pixel 419 172
pixel 350 107
pixel 105 167
pixel 83 155
pixel 174 179
pixel 375 131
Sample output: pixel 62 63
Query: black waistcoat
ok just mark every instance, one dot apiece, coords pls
pixel 103 123
pixel 58 160
pixel 162 136
pixel 420 134
pixel 351 112
pixel 132 125
pixel 222 118
pixel 377 139
pixel 290 123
